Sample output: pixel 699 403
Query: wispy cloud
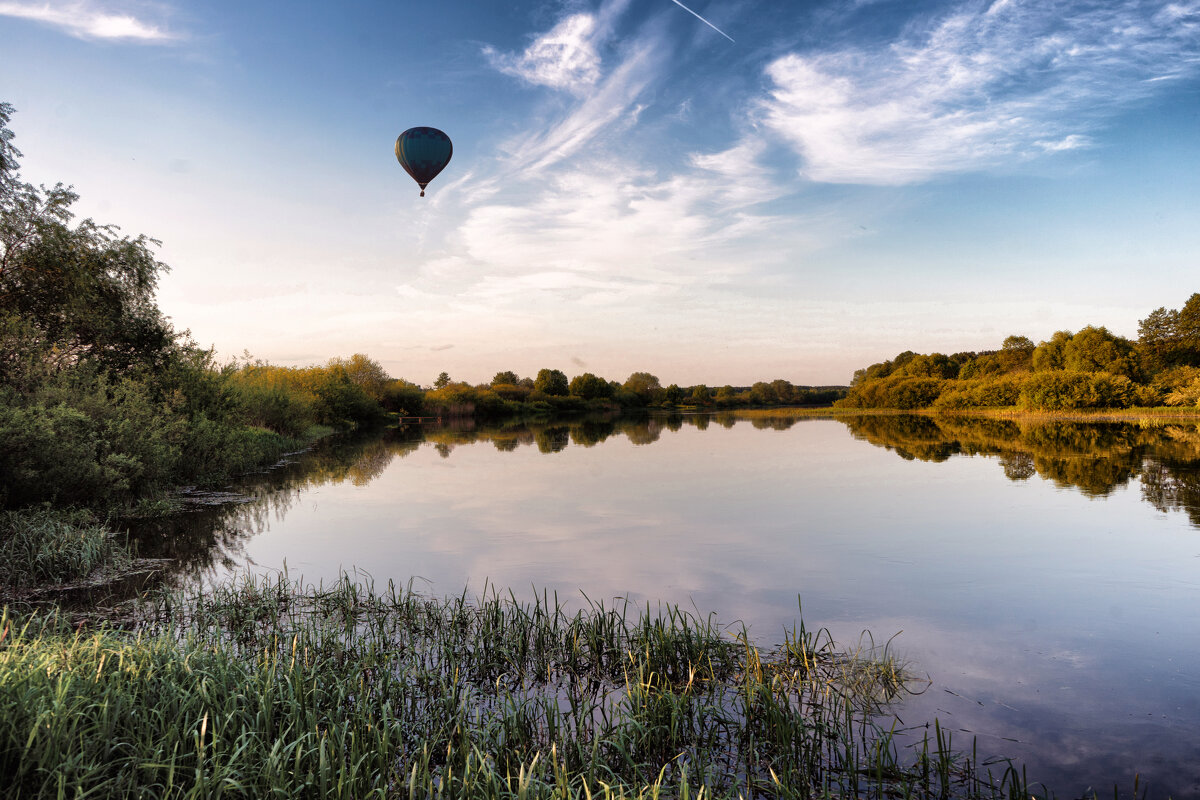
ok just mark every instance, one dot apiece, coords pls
pixel 87 21
pixel 608 103
pixel 979 88
pixel 565 57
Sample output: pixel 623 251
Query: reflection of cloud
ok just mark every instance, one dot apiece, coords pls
pixel 980 87
pixel 84 21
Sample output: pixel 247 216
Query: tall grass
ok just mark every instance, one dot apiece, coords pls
pixel 40 547
pixel 262 688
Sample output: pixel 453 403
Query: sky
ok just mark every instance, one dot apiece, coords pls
pixel 716 192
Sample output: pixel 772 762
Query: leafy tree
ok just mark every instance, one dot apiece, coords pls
pixel 590 387
pixel 674 394
pixel 365 373
pixel 1097 350
pixel 443 380
pixel 762 393
pixel 1188 330
pixel 700 395
pixel 506 378
pixel 1016 353
pixel 726 396
pixel 1020 344
pixel 645 386
pixel 785 392
pixel 1158 338
pixel 84 291
pixel 551 382
pixel 1049 355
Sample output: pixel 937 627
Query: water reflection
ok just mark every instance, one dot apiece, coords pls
pixel 1095 458
pixel 1043 603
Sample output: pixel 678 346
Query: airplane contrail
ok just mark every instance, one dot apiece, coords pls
pixel 702 19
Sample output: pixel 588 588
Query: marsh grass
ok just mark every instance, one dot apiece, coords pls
pixel 40 547
pixel 263 688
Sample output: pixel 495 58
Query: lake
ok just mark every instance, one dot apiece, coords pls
pixel 1044 576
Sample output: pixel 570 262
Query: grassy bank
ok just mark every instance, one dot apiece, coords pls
pixel 40 547
pixel 262 688
pixel 1134 415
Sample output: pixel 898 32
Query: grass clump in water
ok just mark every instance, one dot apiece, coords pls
pixel 264 688
pixel 40 547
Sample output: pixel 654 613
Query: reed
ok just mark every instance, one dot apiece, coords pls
pixel 263 688
pixel 40 547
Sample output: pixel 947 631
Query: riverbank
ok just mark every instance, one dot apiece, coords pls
pixel 1135 415
pixel 264 687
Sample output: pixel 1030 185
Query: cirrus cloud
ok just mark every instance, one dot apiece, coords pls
pixel 86 21
pixel 983 86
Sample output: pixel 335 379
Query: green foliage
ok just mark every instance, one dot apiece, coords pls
pixel 264 689
pixel 893 392
pixel 993 392
pixel 1062 390
pixel 590 387
pixel 1092 368
pixel 551 382
pixel 100 400
pixel 85 439
pixel 1170 338
pixel 44 546
pixel 403 398
pixel 644 387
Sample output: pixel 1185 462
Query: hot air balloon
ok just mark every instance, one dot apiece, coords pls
pixel 423 152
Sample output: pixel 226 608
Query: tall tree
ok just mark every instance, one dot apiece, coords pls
pixel 1158 337
pixel 84 289
pixel 1188 329
pixel 552 382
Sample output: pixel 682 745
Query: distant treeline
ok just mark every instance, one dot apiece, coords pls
pixel 551 392
pixel 1092 368
pixel 103 403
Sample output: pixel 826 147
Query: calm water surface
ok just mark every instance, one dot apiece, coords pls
pixel 1045 577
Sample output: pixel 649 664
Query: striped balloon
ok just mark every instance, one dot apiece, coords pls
pixel 423 152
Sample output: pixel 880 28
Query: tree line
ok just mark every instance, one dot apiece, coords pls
pixel 103 402
pixel 1090 368
pixel 550 390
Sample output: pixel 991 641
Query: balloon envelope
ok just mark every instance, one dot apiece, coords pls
pixel 423 152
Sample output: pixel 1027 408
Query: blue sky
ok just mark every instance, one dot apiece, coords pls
pixel 766 190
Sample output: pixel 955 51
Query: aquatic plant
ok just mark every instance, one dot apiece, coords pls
pixel 261 687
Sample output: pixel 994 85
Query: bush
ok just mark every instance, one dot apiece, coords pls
pixel 894 392
pixel 1064 390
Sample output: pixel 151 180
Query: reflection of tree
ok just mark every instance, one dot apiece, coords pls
pixel 209 537
pixel 552 439
pixel 773 423
pixel 1172 487
pixel 591 432
pixel 1094 458
pixel 506 444
pixel 643 431
pixel 1018 466
pixel 910 436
